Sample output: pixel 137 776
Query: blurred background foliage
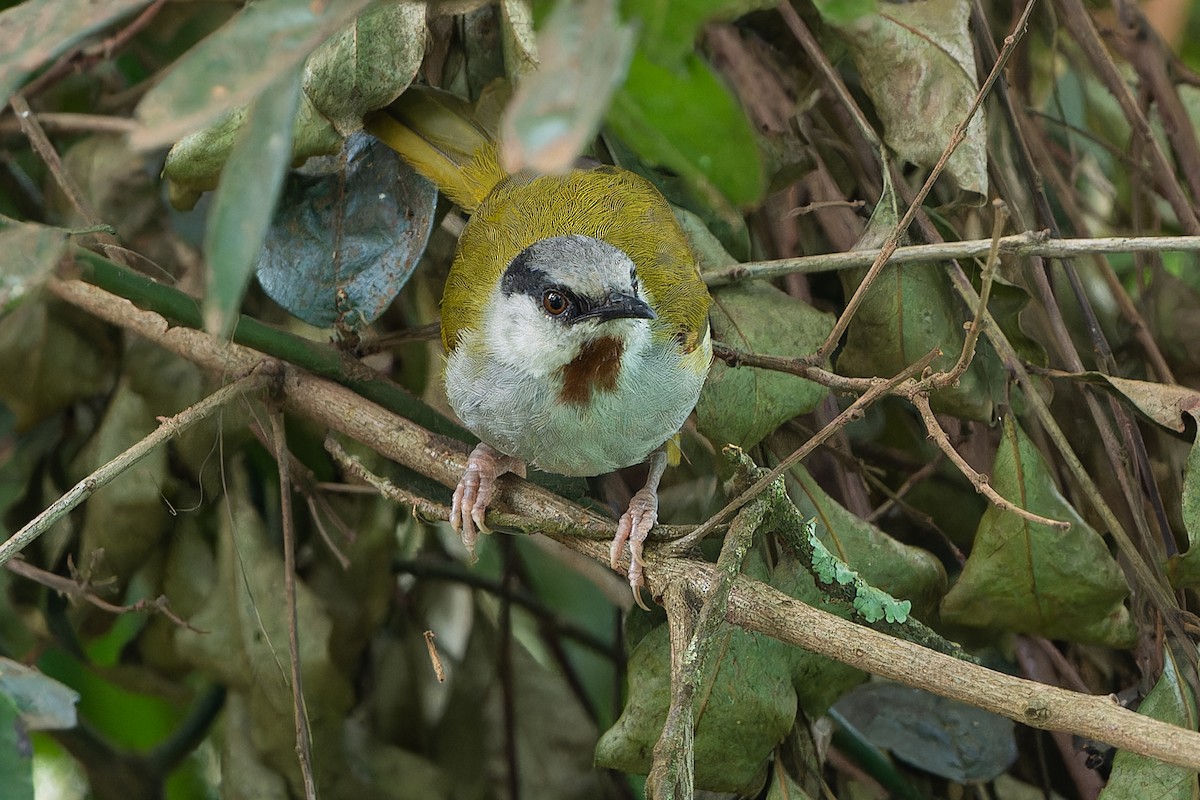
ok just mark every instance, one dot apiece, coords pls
pixel 776 131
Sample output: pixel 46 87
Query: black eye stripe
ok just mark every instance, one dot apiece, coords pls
pixel 523 278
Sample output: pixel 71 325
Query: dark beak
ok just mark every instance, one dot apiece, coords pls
pixel 617 306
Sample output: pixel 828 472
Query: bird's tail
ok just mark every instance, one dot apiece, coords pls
pixel 440 135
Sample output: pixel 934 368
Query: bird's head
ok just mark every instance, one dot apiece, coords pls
pixel 569 303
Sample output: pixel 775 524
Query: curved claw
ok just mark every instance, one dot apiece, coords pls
pixel 475 490
pixel 634 527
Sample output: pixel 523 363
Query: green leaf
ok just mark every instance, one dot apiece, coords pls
pixel 747 711
pixel 1184 569
pixel 265 42
pixel 843 12
pixel 909 310
pixel 686 120
pixel 1027 577
pixel 956 741
pixel 36 31
pixel 669 28
pixel 367 64
pixel 245 201
pixel 1137 777
pixel 16 753
pixel 741 406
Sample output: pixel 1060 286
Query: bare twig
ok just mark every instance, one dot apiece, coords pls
pixel 985 292
pixel 934 430
pixel 880 388
pixel 45 150
pixel 1020 244
pixel 82 590
pixel 299 710
pixel 69 122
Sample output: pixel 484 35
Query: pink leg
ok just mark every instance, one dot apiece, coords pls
pixel 475 490
pixel 636 523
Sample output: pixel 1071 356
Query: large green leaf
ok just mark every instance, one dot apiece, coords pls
pixel 685 119
pixel 944 737
pixel 1031 578
pixel 342 245
pixel 740 718
pixel 741 406
pixel 669 28
pixel 1137 777
pixel 903 571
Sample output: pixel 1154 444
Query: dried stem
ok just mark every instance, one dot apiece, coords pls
pixel 1020 244
pixel 299 710
pixel 934 430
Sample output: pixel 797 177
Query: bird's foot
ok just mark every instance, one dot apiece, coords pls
pixel 635 526
pixel 475 490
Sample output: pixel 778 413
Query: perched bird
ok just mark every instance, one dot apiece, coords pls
pixel 574 316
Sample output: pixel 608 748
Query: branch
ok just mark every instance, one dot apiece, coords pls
pixel 1018 244
pixel 752 605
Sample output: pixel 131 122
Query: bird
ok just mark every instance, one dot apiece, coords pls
pixel 574 316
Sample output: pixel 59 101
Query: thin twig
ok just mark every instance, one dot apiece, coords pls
pixel 299 710
pixel 1020 244
pixel 168 428
pixel 45 150
pixel 81 590
pixel 853 411
pixel 68 122
pixel 999 217
pixel 934 431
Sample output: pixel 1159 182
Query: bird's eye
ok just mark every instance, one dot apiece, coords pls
pixel 554 302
